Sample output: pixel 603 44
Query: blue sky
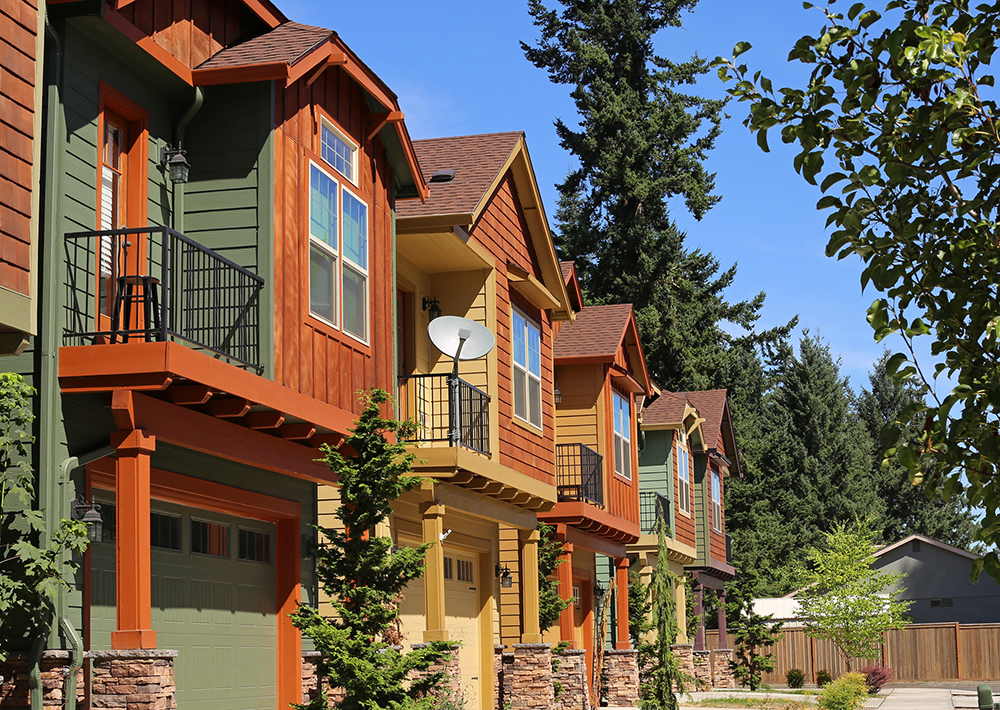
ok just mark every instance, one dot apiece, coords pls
pixel 458 69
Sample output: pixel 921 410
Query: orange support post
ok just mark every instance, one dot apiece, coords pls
pixel 567 620
pixel 134 574
pixel 621 581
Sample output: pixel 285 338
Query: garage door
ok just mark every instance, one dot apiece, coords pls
pixel 461 617
pixel 213 598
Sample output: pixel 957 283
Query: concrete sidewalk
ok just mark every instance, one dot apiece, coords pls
pixel 890 699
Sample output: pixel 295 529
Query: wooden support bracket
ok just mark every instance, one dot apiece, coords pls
pixel 188 395
pixel 298 431
pixel 228 408
pixel 264 420
pixel 377 121
pixel 335 59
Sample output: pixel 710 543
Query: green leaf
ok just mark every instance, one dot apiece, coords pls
pixel 762 140
pixel 740 48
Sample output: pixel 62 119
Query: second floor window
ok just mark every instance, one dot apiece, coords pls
pixel 716 502
pixel 338 254
pixel 683 475
pixel 623 424
pixel 527 374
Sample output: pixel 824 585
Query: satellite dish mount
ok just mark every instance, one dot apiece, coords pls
pixel 460 339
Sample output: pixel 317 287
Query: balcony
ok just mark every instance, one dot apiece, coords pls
pixel 446 409
pixel 579 474
pixel 156 285
pixel 653 510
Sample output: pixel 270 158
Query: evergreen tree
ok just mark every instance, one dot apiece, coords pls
pixel 812 469
pixel 908 509
pixel 664 677
pixel 640 142
pixel 550 603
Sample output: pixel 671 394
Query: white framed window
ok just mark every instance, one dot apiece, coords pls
pixel 623 438
pixel 338 254
pixel 339 151
pixel 716 501
pixel 683 475
pixel 527 369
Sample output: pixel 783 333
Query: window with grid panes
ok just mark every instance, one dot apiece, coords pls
pixel 716 502
pixel 527 369
pixel 623 424
pixel 683 474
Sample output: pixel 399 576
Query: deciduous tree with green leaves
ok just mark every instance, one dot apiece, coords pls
pixel 898 124
pixel 845 599
pixel 34 563
pixel 362 574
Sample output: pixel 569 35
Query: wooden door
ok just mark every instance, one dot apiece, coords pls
pixel 113 212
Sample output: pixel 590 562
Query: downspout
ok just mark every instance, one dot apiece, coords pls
pixel 177 217
pixel 69 690
pixel 35 671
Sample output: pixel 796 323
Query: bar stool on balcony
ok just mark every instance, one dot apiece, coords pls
pixel 143 293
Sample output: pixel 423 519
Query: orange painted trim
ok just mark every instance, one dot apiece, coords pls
pixel 594 543
pixel 272 71
pixel 287 516
pixel 271 16
pixel 564 572
pixel 621 580
pixel 320 55
pixel 147 43
pixel 104 366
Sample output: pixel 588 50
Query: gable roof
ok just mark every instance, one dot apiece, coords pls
pixel 596 336
pixel 478 161
pixel 930 541
pixel 673 410
pixel 568 269
pixel 286 43
pixel 714 407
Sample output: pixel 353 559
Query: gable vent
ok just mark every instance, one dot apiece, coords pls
pixel 443 176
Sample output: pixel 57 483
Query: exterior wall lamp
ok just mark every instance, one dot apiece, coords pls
pixel 90 514
pixel 557 395
pixel 432 305
pixel 177 166
pixel 506 579
pixel 599 592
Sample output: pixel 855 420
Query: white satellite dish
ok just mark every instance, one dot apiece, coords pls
pixel 460 338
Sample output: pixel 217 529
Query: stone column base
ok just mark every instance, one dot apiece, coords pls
pixel 622 669
pixel 451 689
pixel 571 675
pixel 142 679
pixel 15 692
pixel 531 676
pixel 722 668
pixel 702 669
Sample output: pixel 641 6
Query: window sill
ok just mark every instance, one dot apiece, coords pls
pixel 527 426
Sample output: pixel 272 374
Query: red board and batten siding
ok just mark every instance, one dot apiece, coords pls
pixel 683 522
pixel 718 539
pixel 503 231
pixel 192 31
pixel 310 356
pixel 18 34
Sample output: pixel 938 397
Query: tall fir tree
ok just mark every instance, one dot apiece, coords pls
pixel 811 470
pixel 641 141
pixel 908 509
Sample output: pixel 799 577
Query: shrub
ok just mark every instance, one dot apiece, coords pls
pixel 823 677
pixel 848 692
pixel 876 677
pixel 795 677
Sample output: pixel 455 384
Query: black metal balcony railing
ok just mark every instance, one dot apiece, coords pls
pixel 653 508
pixel 579 474
pixel 446 409
pixel 156 284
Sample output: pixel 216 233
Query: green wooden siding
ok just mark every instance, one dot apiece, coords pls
pixel 702 509
pixel 656 465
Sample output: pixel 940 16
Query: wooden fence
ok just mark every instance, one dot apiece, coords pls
pixel 919 652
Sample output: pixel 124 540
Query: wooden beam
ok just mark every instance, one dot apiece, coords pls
pixel 229 407
pixel 334 60
pixel 520 499
pixel 492 489
pixel 332 440
pixel 377 121
pixel 298 431
pixel 188 395
pixel 461 478
pixel 507 494
pixel 264 420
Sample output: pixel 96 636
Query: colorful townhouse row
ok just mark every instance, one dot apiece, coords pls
pixel 215 231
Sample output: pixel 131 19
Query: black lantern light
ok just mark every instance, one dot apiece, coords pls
pixel 557 395
pixel 90 514
pixel 599 592
pixel 432 305
pixel 506 579
pixel 176 164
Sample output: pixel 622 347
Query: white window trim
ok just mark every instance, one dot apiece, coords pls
pixel 326 123
pixel 683 483
pixel 625 436
pixel 339 257
pixel 716 486
pixel 527 372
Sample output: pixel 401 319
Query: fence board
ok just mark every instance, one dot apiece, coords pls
pixel 919 652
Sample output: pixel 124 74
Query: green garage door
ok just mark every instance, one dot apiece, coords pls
pixel 213 589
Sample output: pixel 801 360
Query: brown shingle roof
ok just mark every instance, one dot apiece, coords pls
pixel 668 408
pixel 566 267
pixel 287 43
pixel 476 161
pixel 596 332
pixel 710 405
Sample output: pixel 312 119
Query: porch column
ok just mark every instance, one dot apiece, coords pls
pixel 680 600
pixel 567 620
pixel 621 599
pixel 132 559
pixel 432 517
pixel 528 544
pixel 723 641
pixel 646 578
pixel 699 611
